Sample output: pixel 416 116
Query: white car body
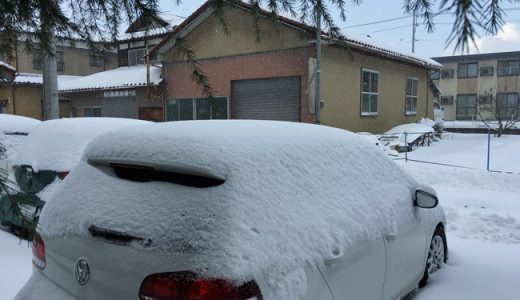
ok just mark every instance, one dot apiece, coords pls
pixel 274 238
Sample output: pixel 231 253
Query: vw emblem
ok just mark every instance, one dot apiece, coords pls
pixel 82 271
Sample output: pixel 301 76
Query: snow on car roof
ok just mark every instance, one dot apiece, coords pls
pixel 11 126
pixel 123 77
pixel 294 194
pixel 13 123
pixel 413 130
pixel 58 144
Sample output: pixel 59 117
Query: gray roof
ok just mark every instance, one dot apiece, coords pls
pixel 477 57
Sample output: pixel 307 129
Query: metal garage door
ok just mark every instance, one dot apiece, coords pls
pixel 119 107
pixel 267 99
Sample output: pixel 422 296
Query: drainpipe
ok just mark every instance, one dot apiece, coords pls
pixel 428 88
pixel 318 63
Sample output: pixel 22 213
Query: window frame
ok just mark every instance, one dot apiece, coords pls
pixel 457 115
pixel 37 59
pixel 139 61
pixel 194 108
pixel 499 69
pixel 411 97
pixel 467 64
pixel 83 108
pixel 94 58
pixel 498 95
pixel 369 93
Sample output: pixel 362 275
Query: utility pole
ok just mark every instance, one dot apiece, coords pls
pixel 50 77
pixel 414 28
pixel 318 61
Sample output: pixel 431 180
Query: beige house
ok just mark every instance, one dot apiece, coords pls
pixel 271 76
pixel 469 83
pixel 24 96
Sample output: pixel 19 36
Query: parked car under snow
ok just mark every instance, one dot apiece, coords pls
pixel 236 210
pixel 42 160
pixel 13 129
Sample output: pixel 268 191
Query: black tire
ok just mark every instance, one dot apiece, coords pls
pixel 435 257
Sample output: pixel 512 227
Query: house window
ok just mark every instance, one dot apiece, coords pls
pixel 434 75
pixel 87 112
pixel 136 57
pixel 411 96
pixel 60 63
pixel 467 70
pixel 95 60
pixel 37 57
pixel 119 93
pixel 466 107
pixel 507 105
pixel 197 109
pixel 509 68
pixel 369 92
pixel 38 60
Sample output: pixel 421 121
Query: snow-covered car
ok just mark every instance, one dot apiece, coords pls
pixel 13 129
pixel 43 159
pixel 236 210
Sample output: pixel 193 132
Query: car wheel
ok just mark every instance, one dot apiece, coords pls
pixel 437 255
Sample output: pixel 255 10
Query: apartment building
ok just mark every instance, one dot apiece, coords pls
pixel 469 84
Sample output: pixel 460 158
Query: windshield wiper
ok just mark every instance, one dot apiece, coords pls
pixel 118 237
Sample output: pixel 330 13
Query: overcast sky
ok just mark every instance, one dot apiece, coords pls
pixel 398 33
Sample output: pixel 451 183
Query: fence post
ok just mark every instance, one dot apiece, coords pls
pixel 489 147
pixel 406 146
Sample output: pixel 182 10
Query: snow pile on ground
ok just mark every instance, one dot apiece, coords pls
pixel 58 144
pixel 483 213
pixel 123 77
pixel 278 177
pixel 13 130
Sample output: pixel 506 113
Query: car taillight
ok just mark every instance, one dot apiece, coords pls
pixel 188 286
pixel 62 175
pixel 38 249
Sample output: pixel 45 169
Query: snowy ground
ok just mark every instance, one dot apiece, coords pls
pixel 483 211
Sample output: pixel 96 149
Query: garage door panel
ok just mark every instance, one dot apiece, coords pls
pixel 267 99
pixel 119 107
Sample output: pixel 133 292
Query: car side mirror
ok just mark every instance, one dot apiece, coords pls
pixel 425 200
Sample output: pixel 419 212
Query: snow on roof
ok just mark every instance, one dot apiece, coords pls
pixel 31 78
pixel 362 41
pixel 7 66
pixel 123 77
pixel 354 40
pixel 155 32
pixel 58 144
pixel 294 194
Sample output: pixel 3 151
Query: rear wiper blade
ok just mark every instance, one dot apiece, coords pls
pixel 114 236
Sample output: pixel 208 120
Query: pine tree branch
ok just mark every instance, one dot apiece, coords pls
pixel 197 75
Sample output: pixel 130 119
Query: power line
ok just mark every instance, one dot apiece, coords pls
pixel 378 22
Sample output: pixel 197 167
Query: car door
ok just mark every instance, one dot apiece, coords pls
pixel 405 254
pixel 359 273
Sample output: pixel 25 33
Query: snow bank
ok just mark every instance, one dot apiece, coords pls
pixel 294 194
pixel 58 144
pixel 123 77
